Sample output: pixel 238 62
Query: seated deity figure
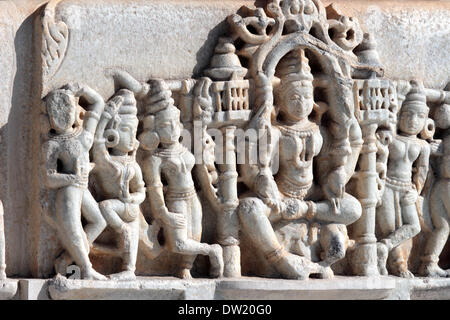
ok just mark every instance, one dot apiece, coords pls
pixel 66 171
pixel 292 193
pixel 439 202
pixel 119 183
pixel 171 192
pixel 397 219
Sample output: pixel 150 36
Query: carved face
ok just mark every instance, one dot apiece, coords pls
pixel 297 101
pixel 61 109
pixel 413 118
pixel 127 134
pixel 168 126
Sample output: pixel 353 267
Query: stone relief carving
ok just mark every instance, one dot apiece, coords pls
pixel 342 181
pixel 55 39
pixel 66 172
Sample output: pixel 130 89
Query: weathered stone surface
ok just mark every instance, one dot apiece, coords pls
pixel 356 180
pixel 8 289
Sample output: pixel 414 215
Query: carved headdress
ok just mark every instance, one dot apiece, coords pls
pixel 416 96
pixel 158 100
pixel 127 111
pixel 294 67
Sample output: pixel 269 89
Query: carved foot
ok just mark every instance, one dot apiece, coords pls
pixel 405 274
pixel 91 274
pixel 184 274
pixel 326 273
pixel 216 260
pixel 382 254
pixel 295 267
pixel 62 263
pixel 123 276
pixel 433 271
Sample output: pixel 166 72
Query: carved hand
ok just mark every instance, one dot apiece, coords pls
pixel 174 220
pixel 75 87
pixel 267 190
pixel 203 107
pixel 113 105
pixel 410 197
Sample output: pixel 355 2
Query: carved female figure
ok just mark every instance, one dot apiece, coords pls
pixel 292 194
pixel 439 202
pixel 175 204
pixel 119 178
pixel 66 170
pixel 397 219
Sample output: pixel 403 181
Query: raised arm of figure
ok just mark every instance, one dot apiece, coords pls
pixel 100 151
pixel 96 106
pixel 125 80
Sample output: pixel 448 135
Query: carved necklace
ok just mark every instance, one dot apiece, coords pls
pixel 66 136
pixel 305 133
pixel 170 153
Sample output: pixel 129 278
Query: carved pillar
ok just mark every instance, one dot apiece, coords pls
pixel 376 108
pixel 364 259
pixel 227 220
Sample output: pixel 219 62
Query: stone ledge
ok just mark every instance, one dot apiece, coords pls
pixel 8 289
pixel 249 288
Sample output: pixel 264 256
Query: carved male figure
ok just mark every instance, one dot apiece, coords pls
pixel 292 194
pixel 175 204
pixel 66 171
pixel 397 219
pixel 119 181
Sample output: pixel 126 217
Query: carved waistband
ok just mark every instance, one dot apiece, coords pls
pixel 181 195
pixel 398 185
pixel 291 188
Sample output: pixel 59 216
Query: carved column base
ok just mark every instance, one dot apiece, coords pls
pixel 232 261
pixel 364 260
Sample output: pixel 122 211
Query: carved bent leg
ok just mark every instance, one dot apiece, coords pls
pixel 94 227
pixel 253 214
pixel 114 211
pixel 333 243
pixel 350 211
pixel 70 230
pixel 390 235
pixel 130 239
pixel 440 211
pixel 178 240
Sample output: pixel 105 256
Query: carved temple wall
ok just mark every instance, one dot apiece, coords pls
pixel 152 39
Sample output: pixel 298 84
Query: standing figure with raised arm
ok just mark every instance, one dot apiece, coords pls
pixel 397 219
pixel 119 181
pixel 168 176
pixel 66 171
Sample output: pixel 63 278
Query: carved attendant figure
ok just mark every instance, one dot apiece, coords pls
pixel 67 168
pixel 175 204
pixel 119 177
pixel 292 194
pixel 440 202
pixel 397 219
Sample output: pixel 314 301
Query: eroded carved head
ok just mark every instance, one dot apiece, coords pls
pixel 295 94
pixel 61 108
